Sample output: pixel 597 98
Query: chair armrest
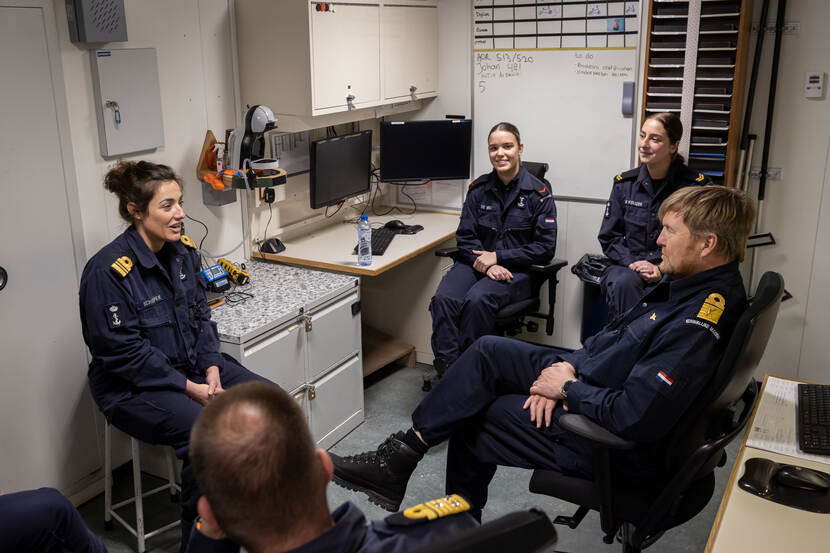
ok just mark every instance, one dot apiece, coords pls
pixel 585 427
pixel 552 267
pixel 446 252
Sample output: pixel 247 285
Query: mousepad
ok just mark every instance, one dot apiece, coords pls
pixel 760 479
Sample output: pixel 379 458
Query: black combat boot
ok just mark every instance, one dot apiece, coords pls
pixel 380 474
pixel 441 364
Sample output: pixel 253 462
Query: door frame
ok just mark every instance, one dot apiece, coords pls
pixel 73 204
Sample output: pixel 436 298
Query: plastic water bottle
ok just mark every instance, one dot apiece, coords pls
pixel 364 241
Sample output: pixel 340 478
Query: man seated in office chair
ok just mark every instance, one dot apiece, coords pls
pixel 44 521
pixel 500 403
pixel 264 486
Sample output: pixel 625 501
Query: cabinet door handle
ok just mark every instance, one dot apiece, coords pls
pixel 307 323
pixel 312 393
pixel 350 101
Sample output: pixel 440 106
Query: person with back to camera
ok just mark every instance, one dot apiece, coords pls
pixel 508 223
pixel 155 351
pixel 264 486
pixel 630 227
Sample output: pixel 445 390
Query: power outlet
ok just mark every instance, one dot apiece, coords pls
pixel 773 173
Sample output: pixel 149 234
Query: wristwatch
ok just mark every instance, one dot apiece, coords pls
pixel 564 391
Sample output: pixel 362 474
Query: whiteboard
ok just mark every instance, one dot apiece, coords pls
pixel 565 99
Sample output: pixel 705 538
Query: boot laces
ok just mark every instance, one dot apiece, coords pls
pixel 381 455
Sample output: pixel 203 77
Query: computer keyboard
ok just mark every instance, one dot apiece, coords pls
pixel 380 240
pixel 814 418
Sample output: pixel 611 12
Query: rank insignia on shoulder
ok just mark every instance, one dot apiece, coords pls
pixel 122 266
pixel 431 510
pixel 700 177
pixel 712 308
pixel 188 241
pixel 542 190
pixel 618 177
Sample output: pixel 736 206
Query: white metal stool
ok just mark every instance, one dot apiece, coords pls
pixel 110 510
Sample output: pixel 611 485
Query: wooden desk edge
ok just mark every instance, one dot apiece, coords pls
pixel 735 469
pixel 349 269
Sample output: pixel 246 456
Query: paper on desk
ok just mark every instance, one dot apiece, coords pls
pixel 774 426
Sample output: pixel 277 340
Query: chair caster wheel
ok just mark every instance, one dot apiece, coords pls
pixel 427 386
pixel 107 525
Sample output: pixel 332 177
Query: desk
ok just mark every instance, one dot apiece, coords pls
pixel 748 523
pixel 331 247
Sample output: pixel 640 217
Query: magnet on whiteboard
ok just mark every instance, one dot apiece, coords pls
pixel 628 99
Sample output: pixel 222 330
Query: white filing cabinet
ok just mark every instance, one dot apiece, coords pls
pixel 303 60
pixel 302 330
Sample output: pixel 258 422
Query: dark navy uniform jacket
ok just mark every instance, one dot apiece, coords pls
pixel 145 318
pixel 640 373
pixel 350 534
pixel 630 227
pixel 519 226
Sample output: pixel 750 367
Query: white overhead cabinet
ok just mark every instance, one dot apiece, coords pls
pixel 410 52
pixel 314 58
pixel 345 57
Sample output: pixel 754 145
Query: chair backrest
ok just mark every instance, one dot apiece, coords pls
pixel 536 169
pixel 718 400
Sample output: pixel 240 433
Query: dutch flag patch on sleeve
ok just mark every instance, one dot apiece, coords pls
pixel 665 378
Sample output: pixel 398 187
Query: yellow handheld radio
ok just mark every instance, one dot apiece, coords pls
pixel 237 275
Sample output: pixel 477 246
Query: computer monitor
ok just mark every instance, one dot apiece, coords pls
pixel 425 150
pixel 340 168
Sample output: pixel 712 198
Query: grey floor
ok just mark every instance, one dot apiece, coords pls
pixel 390 396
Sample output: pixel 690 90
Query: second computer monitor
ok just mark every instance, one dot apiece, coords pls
pixel 425 150
pixel 340 168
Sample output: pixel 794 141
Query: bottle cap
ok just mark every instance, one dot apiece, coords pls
pixel 364 217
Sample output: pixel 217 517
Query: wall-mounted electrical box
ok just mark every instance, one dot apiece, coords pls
pixel 96 20
pixel 127 100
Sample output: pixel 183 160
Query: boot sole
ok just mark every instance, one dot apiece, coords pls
pixel 374 497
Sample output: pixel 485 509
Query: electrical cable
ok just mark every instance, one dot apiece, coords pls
pixel 270 214
pixel 236 297
pixel 202 241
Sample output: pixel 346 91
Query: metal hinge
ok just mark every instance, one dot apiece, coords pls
pixel 312 393
pixel 307 319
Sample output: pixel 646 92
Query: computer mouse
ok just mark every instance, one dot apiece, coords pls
pixel 802 478
pixel 272 245
pixel 395 224
pixel 413 229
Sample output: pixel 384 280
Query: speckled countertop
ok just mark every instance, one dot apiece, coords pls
pixel 280 293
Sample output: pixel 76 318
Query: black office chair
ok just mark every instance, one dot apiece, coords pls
pixel 521 532
pixel 692 450
pixel 511 318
